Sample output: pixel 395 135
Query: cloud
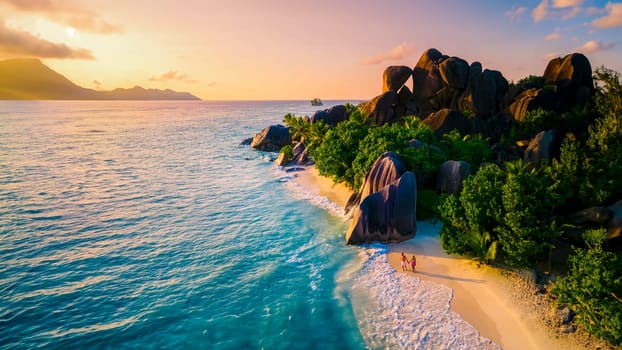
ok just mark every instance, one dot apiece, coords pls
pixel 66 13
pixel 171 76
pixel 593 46
pixel 613 17
pixel 515 12
pixel 399 53
pixel 17 42
pixel 564 9
pixel 541 11
pixel 211 84
pixel 553 36
pixel 567 3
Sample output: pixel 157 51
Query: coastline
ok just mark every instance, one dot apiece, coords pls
pixel 500 304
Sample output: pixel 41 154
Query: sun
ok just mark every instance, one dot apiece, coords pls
pixel 71 32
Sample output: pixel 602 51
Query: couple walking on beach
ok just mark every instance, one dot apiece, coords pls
pixel 405 262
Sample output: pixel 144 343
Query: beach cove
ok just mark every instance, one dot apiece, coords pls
pixel 498 303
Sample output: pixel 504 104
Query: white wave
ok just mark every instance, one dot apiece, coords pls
pixel 401 311
pixel 299 192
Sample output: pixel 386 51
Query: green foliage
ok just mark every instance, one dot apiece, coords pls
pixel 288 150
pixel 528 201
pixel 389 137
pixel 471 149
pixel 454 239
pixel 540 119
pixel 471 219
pixel 608 98
pixel 593 288
pixel 298 126
pixel 333 156
pixel 533 122
pixel 537 80
pixel 427 204
pixel 603 164
pixel 508 207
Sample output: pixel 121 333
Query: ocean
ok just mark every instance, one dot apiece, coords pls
pixel 147 225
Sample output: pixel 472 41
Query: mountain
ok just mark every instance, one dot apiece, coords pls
pixel 30 79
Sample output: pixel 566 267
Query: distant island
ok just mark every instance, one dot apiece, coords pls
pixel 30 79
pixel 316 102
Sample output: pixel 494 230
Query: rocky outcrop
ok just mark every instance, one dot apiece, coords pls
pixel 572 76
pixel 331 116
pixel 441 81
pixel 388 215
pixel 386 169
pixel 447 120
pixel 451 174
pixel 394 77
pixel 532 99
pixel 382 108
pixel 272 138
pixel 544 147
pixel 485 93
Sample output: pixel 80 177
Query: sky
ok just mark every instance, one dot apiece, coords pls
pixel 297 49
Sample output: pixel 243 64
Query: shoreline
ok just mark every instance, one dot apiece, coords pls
pixel 500 304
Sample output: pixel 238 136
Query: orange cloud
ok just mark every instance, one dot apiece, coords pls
pixel 567 3
pixel 613 17
pixel 67 13
pixel 171 75
pixel 541 11
pixel 564 9
pixel 17 42
pixel 593 46
pixel 401 52
pixel 553 36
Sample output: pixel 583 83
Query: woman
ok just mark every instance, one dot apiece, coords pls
pixel 404 263
pixel 413 262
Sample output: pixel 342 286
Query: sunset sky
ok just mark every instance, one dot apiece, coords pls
pixel 286 49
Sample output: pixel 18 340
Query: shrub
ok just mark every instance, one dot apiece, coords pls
pixel 511 206
pixel 469 148
pixel 471 220
pixel 288 150
pixel 334 154
pixel 389 137
pixel 525 229
pixel 593 288
pixel 427 204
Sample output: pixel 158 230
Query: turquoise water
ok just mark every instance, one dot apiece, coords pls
pixel 146 225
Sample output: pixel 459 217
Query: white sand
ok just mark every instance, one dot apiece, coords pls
pixel 481 294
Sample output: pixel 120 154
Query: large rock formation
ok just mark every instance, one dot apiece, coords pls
pixel 386 169
pixel 331 116
pixel 272 138
pixel 388 215
pixel 451 174
pixel 394 77
pixel 567 82
pixel 447 120
pixel 441 81
pixel 485 93
pixel 544 147
pixel 382 108
pixel 572 76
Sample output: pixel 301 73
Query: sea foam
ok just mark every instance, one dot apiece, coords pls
pixel 396 310
pixel 301 193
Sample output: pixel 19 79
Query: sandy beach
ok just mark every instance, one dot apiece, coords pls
pixel 488 298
